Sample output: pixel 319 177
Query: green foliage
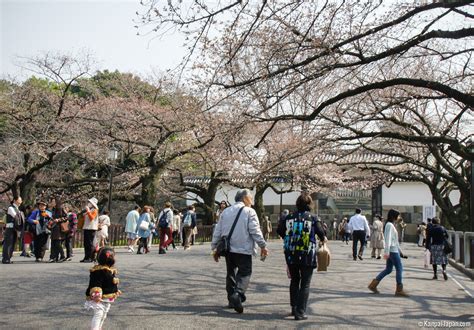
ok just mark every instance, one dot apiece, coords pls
pixel 116 84
pixel 43 85
pixel 6 86
pixel 164 100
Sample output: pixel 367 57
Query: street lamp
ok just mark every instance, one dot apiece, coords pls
pixel 112 156
pixel 281 184
pixel 470 147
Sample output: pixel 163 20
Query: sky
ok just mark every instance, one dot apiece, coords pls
pixel 104 28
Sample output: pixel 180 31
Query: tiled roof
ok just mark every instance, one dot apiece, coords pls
pixel 361 158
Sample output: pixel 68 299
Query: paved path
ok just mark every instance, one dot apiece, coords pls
pixel 186 290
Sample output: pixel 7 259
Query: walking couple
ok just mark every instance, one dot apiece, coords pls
pixel 240 224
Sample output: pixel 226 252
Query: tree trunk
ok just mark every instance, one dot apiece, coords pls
pixel 210 201
pixel 258 200
pixel 458 216
pixel 453 216
pixel 149 188
pixel 28 190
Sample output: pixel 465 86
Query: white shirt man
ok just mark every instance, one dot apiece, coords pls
pixel 359 227
pixel 359 222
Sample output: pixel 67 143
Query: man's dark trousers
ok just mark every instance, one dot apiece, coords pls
pixel 239 270
pixel 89 248
pixel 358 235
pixel 10 237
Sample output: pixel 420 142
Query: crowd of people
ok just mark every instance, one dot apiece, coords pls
pixel 141 225
pixel 46 226
pixel 53 225
pixel 236 236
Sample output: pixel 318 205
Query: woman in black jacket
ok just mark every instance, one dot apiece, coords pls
pixel 299 231
pixel 435 236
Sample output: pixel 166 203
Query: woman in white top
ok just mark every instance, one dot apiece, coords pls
pixel 391 254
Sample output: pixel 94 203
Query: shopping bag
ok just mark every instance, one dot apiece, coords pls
pixel 324 258
pixel 427 258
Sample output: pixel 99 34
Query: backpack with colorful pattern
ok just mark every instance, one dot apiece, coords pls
pixel 297 243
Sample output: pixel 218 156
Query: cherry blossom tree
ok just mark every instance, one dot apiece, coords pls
pixel 153 133
pixel 343 66
pixel 38 116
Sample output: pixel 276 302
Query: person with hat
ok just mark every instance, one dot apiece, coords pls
pixel 91 224
pixel 40 218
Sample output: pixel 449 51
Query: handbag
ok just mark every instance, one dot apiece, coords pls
pixel 223 245
pixel 64 227
pixel 80 221
pixel 38 229
pixel 144 225
pixel 448 248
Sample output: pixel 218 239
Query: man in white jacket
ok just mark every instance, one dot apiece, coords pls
pixel 243 241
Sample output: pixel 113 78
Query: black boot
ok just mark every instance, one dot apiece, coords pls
pixel 236 302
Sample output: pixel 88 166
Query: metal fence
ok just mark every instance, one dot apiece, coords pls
pixel 118 237
pixel 463 247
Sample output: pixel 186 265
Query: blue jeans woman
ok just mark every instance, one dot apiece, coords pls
pixel 392 255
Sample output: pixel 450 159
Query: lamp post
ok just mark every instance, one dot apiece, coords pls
pixel 112 156
pixel 471 207
pixel 281 185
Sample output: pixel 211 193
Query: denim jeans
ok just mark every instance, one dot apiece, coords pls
pixel 393 260
pixel 69 244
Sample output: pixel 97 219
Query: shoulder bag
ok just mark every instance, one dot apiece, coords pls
pixel 64 227
pixel 144 225
pixel 223 245
pixel 448 247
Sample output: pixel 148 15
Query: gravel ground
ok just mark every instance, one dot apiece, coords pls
pixel 186 290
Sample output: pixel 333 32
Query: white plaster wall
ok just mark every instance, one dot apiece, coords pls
pixel 410 194
pixel 405 194
pixel 399 194
pixel 227 193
